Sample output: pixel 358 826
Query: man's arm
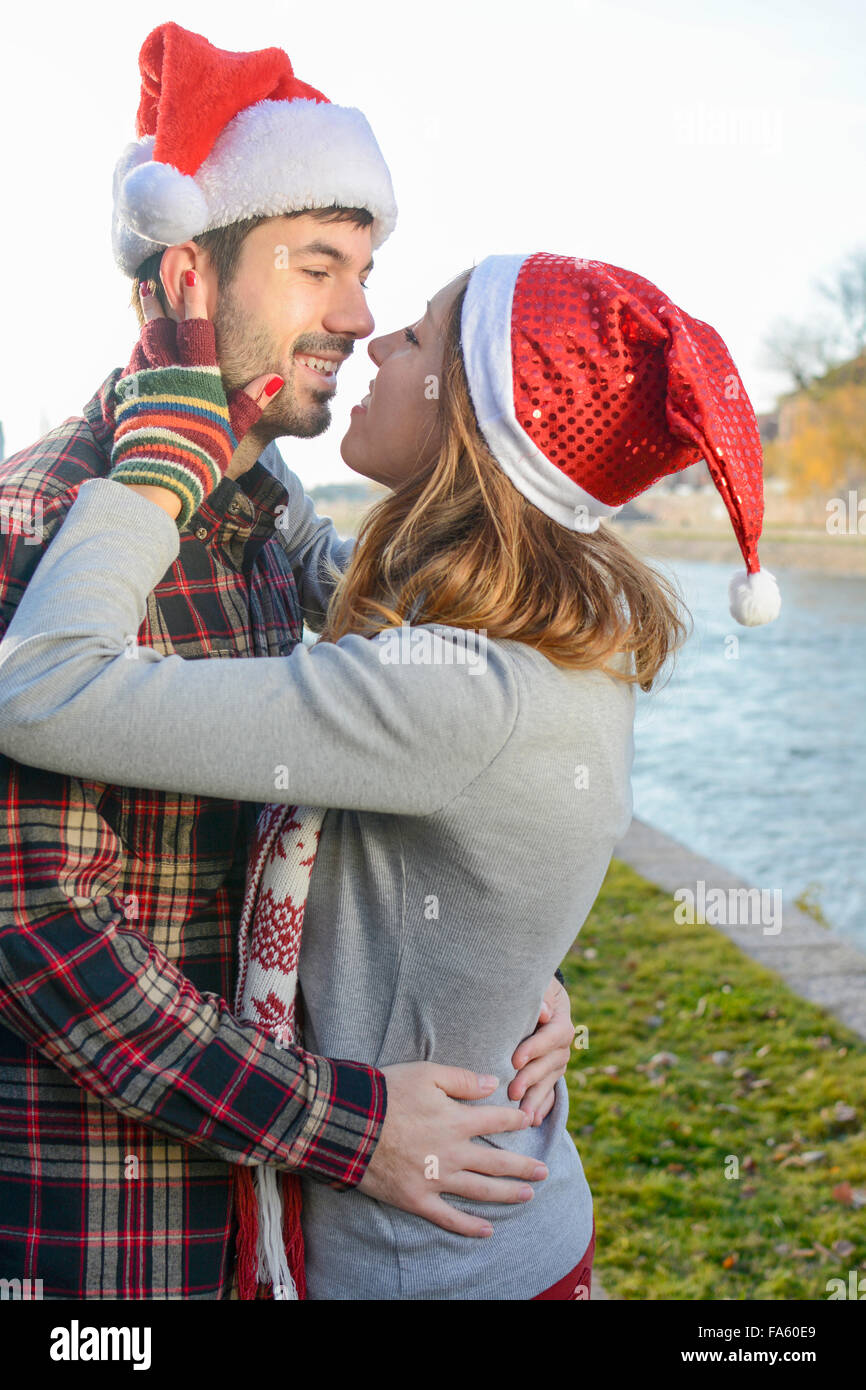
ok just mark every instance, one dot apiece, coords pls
pixel 316 553
pixel 95 996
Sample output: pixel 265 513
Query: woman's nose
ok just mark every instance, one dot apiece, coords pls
pixel 377 350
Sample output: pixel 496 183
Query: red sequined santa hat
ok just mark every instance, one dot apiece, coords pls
pixel 589 385
pixel 226 136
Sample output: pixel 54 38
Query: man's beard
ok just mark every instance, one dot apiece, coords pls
pixel 246 350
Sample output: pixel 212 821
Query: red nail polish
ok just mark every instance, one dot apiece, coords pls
pixel 144 289
pixel 274 385
pixel 189 276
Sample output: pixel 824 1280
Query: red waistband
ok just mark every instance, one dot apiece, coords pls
pixel 577 1284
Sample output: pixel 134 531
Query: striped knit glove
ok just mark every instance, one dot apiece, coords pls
pixel 174 426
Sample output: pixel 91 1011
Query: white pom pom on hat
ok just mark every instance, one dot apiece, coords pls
pixel 754 598
pixel 161 204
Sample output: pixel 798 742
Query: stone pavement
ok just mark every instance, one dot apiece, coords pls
pixel 814 962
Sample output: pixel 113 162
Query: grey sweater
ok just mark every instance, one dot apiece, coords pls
pixel 476 796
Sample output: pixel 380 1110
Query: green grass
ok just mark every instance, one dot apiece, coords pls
pixel 655 1143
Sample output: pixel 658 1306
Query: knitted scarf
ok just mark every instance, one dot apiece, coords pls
pixel 268 1203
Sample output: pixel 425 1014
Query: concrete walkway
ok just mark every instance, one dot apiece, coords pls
pixel 814 962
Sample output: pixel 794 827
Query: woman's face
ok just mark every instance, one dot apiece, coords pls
pixel 394 432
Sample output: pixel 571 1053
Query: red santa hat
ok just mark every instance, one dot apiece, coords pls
pixel 589 385
pixel 226 136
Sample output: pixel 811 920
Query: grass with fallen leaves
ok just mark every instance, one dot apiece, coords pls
pixel 719 1116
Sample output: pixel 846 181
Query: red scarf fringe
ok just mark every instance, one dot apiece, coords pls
pixel 247 1212
pixel 293 1233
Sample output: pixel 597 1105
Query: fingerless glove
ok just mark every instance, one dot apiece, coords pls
pixel 174 427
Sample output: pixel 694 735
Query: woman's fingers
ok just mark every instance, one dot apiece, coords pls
pixel 263 389
pixel 245 407
pixel 194 298
pixel 546 1070
pixel 556 1033
pixel 150 305
pixel 542 1108
pixel 539 1079
pixel 540 1098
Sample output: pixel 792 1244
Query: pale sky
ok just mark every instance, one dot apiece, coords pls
pixel 716 147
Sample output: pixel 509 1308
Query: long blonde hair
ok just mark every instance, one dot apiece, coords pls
pixel 457 544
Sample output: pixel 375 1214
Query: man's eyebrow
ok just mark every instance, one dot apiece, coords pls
pixel 324 248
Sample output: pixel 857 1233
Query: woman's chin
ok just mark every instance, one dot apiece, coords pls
pixel 351 457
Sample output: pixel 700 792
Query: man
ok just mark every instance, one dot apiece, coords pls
pixel 130 1092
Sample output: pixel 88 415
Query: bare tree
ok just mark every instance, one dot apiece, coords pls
pixel 847 294
pixel 806 351
pixel 803 351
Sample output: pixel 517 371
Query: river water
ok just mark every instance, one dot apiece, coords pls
pixel 754 754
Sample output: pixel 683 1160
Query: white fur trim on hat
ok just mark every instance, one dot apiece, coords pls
pixel 485 334
pixel 272 157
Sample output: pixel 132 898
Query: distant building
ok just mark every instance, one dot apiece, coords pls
pixel 768 426
pixel 697 475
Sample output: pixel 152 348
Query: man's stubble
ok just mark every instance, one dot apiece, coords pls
pixel 246 350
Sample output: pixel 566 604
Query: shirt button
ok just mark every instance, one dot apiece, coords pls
pixel 202 533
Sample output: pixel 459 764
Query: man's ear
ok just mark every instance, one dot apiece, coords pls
pixel 188 255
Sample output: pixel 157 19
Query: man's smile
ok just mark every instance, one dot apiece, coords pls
pixel 321 367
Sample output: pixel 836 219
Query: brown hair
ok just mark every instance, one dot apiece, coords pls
pixel 223 246
pixel 457 544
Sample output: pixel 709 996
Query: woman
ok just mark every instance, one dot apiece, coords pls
pixel 459 741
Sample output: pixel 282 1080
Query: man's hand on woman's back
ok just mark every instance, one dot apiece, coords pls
pixel 425 1148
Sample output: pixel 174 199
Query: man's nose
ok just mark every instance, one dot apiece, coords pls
pixel 350 315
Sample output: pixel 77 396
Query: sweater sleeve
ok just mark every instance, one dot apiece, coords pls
pixel 398 723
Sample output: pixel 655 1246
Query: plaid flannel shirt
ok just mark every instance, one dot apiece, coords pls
pixel 128 1090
